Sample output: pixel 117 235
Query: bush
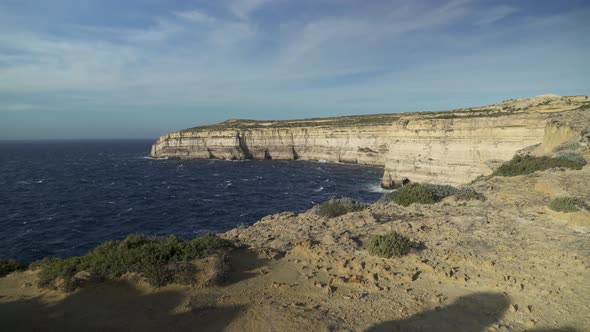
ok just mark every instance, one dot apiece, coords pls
pixel 337 207
pixel 10 265
pixel 567 204
pixel 413 193
pixel 469 194
pixel 520 165
pixel 389 245
pixel 441 191
pixel 567 146
pixel 575 157
pixel 157 260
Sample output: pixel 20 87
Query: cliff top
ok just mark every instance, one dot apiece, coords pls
pixel 546 103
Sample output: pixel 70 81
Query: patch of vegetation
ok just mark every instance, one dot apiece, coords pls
pixel 469 194
pixel 10 265
pixel 431 193
pixel 441 191
pixel 481 113
pixel 567 146
pixel 337 207
pixel 160 261
pixel 389 245
pixel 568 204
pixel 521 165
pixel 573 156
pixel 410 194
pixel 342 121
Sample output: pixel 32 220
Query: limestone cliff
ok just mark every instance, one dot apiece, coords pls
pixel 451 147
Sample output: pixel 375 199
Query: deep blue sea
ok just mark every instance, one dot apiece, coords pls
pixel 62 198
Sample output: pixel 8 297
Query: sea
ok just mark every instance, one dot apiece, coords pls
pixel 63 198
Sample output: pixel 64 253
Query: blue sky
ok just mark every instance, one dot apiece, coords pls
pixel 139 69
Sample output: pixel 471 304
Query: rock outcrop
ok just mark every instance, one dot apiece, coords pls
pixel 452 147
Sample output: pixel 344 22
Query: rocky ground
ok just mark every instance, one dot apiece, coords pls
pixel 504 264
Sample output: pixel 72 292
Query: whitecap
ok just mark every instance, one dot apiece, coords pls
pixel 375 188
pixel 319 189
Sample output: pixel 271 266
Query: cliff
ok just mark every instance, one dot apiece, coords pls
pixel 451 147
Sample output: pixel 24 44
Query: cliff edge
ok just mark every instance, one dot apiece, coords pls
pixel 450 147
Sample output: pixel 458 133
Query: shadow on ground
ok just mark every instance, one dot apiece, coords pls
pixel 114 306
pixel 469 313
pixel 121 306
pixel 474 313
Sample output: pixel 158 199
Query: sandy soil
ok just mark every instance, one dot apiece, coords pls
pixel 505 264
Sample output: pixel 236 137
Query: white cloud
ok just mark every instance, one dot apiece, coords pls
pixel 243 8
pixel 496 13
pixel 193 59
pixel 196 16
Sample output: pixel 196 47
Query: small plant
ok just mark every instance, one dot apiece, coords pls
pixel 521 165
pixel 567 146
pixel 441 191
pixel 160 261
pixel 568 204
pixel 469 194
pixel 389 245
pixel 10 265
pixel 575 157
pixel 337 207
pixel 413 193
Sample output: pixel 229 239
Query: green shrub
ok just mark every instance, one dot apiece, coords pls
pixel 441 191
pixel 9 266
pixel 575 157
pixel 567 146
pixel 413 193
pixel 567 204
pixel 520 165
pixel 337 207
pixel 389 245
pixel 469 194
pixel 157 260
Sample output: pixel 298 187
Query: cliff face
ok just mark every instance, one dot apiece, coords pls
pixel 446 147
pixel 353 145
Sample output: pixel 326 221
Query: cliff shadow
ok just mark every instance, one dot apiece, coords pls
pixel 243 265
pixel 115 306
pixel 473 312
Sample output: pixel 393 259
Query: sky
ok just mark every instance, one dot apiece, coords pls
pixel 86 69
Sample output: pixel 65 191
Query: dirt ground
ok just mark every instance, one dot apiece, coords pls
pixel 504 264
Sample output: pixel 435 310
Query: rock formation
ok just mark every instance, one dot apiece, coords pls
pixel 452 147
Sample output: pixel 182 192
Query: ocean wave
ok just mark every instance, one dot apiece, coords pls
pixel 376 188
pixel 152 158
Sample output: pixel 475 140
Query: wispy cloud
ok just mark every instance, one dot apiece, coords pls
pixel 243 8
pixel 196 16
pixel 6 107
pixel 497 13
